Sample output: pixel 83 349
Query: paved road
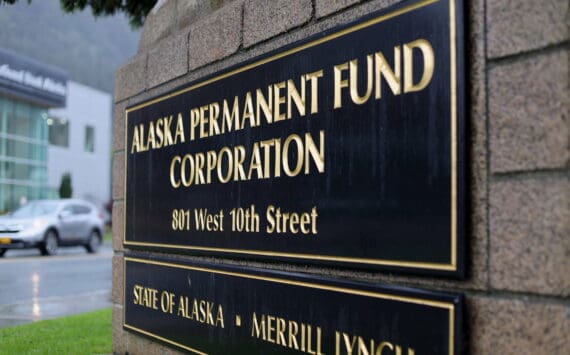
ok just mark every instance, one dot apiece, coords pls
pixel 35 287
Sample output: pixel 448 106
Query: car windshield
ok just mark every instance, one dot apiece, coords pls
pixel 35 209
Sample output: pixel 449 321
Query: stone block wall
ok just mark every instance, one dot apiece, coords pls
pixel 518 285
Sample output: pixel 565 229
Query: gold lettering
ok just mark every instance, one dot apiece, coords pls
pixel 255 163
pixel 349 343
pixel 293 330
pixel 266 145
pixel 179 135
pixel 220 317
pixel 214 115
pixel 135 146
pixel 194 122
pixel 200 159
pixel 145 296
pixel 382 68
pixel 182 311
pixel 194 314
pixel 293 96
pixel 264 105
pixel 212 159
pixel 239 157
pixel 278 99
pixel 230 119
pixel 429 63
pixel 339 83
pixel 270 329
pixel 203 121
pixel 228 176
pixel 318 155
pixel 383 345
pixel 175 183
pixel 167 133
pixel 258 328
pixel 314 78
pixel 150 139
pixel 281 327
pixel 353 74
pixel 202 308
pixel 185 181
pixel 300 151
pixel 248 112
pixel 159 133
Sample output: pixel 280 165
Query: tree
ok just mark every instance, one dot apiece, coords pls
pixel 65 189
pixel 136 10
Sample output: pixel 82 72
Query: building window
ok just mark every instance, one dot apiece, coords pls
pixel 89 139
pixel 23 153
pixel 58 131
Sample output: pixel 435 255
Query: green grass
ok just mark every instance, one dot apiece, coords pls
pixel 88 333
pixel 108 236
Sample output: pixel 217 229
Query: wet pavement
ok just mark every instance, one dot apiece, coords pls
pixel 35 287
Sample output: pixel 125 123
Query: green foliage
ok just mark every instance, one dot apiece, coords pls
pixel 137 10
pixel 65 189
pixel 88 333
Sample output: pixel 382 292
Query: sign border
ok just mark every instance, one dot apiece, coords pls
pixel 455 267
pixel 398 294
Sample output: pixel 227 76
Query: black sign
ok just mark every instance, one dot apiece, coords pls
pixel 208 309
pixel 346 148
pixel 31 80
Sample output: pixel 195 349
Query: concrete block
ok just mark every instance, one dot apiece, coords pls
pixel 477 127
pixel 216 36
pixel 118 176
pixel 160 23
pixel 530 229
pixel 130 78
pixel 118 225
pixel 528 109
pixel 191 11
pixel 119 334
pixel 167 60
pixel 117 295
pixel 521 25
pixel 509 326
pixel 327 7
pixel 264 19
pixel 119 126
pixel 138 345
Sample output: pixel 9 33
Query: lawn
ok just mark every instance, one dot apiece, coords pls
pixel 108 236
pixel 88 333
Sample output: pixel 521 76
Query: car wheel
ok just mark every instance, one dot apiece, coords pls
pixel 50 243
pixel 2 252
pixel 94 242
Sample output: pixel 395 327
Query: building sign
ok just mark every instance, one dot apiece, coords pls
pixel 346 148
pixel 30 80
pixel 207 309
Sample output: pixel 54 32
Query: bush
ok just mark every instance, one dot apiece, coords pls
pixel 65 189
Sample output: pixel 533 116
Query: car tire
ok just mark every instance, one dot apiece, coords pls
pixel 2 252
pixel 50 244
pixel 94 242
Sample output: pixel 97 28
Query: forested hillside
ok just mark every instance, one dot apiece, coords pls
pixel 90 49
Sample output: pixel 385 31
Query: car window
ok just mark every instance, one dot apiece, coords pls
pixel 35 209
pixel 80 209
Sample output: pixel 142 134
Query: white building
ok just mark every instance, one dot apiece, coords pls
pixel 80 143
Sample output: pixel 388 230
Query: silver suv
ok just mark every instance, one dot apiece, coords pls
pixel 48 224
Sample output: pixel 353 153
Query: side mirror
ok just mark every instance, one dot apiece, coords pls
pixel 64 214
